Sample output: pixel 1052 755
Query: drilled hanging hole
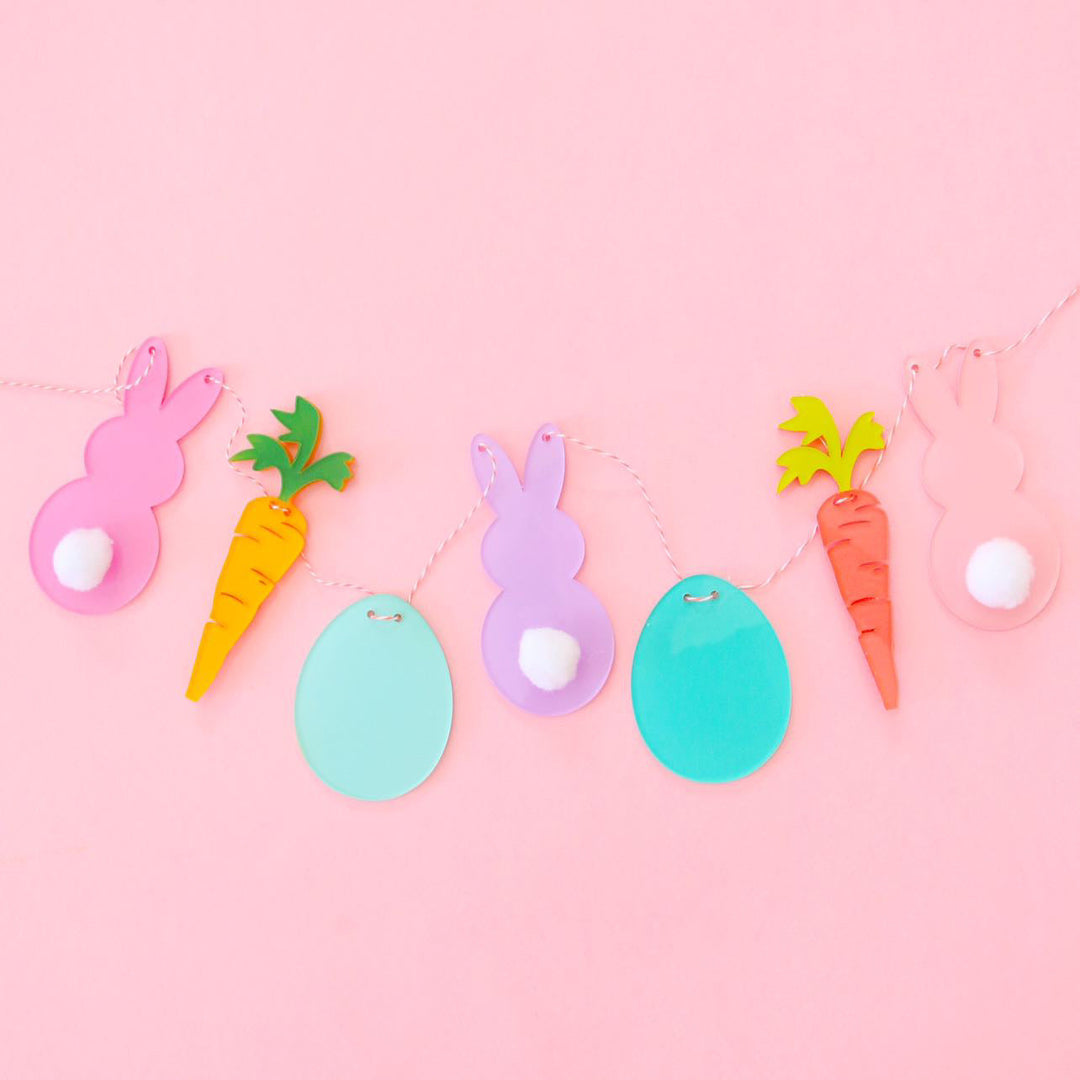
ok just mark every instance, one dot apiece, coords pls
pixel 384 618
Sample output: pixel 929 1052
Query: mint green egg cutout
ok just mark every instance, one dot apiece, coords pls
pixel 710 684
pixel 374 701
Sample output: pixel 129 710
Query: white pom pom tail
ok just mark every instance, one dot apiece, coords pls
pixel 1000 573
pixel 549 657
pixel 82 559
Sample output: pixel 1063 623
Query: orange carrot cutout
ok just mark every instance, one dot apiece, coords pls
pixel 854 528
pixel 269 536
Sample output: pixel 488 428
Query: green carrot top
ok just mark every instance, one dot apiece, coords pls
pixel 822 449
pixel 296 466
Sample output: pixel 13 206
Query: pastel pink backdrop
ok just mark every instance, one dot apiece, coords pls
pixel 651 223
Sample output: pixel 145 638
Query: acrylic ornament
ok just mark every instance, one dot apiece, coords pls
pixel 95 542
pixel 374 703
pixel 710 682
pixel 853 525
pixel 994 557
pixel 547 641
pixel 270 535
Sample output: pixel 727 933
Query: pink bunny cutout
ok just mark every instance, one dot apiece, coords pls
pixel 994 558
pixel 95 542
pixel 547 640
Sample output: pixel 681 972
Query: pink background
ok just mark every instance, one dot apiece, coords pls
pixel 650 223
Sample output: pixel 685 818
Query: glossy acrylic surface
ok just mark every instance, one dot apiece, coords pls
pixel 973 469
pixel 534 550
pixel 652 223
pixel 710 683
pixel 855 534
pixel 133 463
pixel 374 701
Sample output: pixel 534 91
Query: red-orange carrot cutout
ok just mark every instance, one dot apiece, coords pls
pixel 854 528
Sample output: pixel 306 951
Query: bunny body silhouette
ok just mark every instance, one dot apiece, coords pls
pixel 994 557
pixel 547 641
pixel 95 542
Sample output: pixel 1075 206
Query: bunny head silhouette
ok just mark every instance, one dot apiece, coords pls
pixel 967 442
pixel 994 558
pixel 140 449
pixel 531 539
pixel 94 543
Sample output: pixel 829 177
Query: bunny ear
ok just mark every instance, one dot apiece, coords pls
pixel 505 488
pixel 931 396
pixel 545 467
pixel 147 377
pixel 978 385
pixel 186 406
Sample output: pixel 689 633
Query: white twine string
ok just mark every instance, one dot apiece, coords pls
pixel 116 388
pixel 460 525
pixel 890 434
pixel 610 455
pixel 251 476
pixel 984 354
pixel 1032 331
pixel 636 477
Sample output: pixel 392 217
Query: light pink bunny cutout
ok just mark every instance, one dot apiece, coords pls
pixel 94 543
pixel 994 558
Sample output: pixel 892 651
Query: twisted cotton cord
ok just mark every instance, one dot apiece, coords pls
pixel 890 434
pixel 913 371
pixel 1028 334
pixel 636 477
pixel 785 565
pixel 459 527
pixel 116 388
pixel 659 525
pixel 363 590
pixel 442 546
pixel 240 424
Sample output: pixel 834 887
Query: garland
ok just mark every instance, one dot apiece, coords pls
pixel 710 683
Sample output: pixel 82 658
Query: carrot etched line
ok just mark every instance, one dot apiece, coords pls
pixel 269 536
pixel 854 528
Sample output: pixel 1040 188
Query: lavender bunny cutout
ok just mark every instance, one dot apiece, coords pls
pixel 547 640
pixel 94 543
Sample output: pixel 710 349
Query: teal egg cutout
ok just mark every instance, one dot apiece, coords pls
pixel 710 683
pixel 374 702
